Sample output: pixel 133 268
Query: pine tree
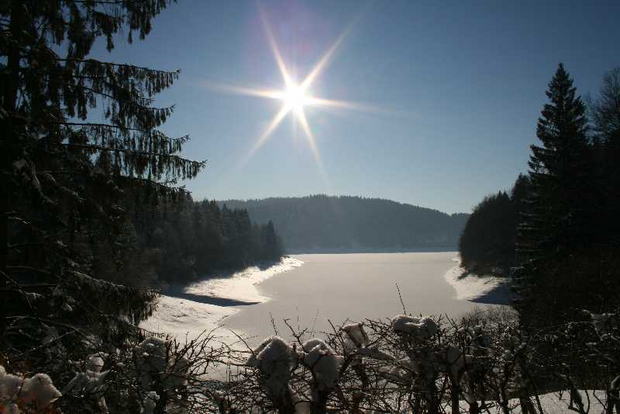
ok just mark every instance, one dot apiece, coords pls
pixel 555 226
pixel 63 176
pixel 558 171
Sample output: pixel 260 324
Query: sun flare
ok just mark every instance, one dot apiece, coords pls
pixel 295 98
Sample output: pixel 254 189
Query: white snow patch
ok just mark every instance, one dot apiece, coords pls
pixel 471 287
pixel 422 328
pixel 37 391
pixel 355 337
pixel 242 286
pixel 323 362
pixel 185 319
pixel 275 359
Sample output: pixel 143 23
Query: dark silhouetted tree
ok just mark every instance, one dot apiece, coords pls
pixel 556 229
pixel 65 178
pixel 605 119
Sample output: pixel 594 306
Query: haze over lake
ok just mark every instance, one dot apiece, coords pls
pixel 354 286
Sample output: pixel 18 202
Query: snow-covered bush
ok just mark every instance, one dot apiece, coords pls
pixel 34 394
pixel 90 384
pixel 323 362
pixel 275 359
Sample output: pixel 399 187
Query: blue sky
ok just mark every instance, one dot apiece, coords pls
pixel 458 87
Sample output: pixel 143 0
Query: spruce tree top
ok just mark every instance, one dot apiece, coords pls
pixel 561 128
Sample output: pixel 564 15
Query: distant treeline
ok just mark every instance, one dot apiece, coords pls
pixel 323 223
pixel 558 234
pixel 181 241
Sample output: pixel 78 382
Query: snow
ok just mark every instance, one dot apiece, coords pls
pixel 242 286
pixel 553 403
pixel 89 384
pixel 186 319
pixel 453 360
pixel 150 360
pixel 275 359
pixel 36 392
pixel 323 362
pixel 475 287
pixel 422 327
pixel 356 336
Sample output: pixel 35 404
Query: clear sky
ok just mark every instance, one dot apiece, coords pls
pixel 455 89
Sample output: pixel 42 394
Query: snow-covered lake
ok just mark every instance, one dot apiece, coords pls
pixel 309 290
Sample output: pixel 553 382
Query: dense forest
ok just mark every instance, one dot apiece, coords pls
pixel 181 241
pixel 488 242
pixel 557 234
pixel 327 223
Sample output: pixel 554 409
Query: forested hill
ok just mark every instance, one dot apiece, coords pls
pixel 326 223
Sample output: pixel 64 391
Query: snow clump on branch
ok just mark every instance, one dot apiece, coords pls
pixel 323 362
pixel 36 392
pixel 356 336
pixel 421 328
pixel 275 359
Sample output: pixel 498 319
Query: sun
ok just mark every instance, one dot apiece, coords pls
pixel 295 98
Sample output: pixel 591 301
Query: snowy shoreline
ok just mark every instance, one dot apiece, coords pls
pixel 188 311
pixel 480 289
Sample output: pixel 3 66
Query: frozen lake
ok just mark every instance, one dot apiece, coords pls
pixel 353 286
pixel 311 289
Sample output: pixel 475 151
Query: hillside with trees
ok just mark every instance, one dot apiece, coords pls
pixel 179 242
pixel 327 223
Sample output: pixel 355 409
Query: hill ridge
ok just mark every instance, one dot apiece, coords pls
pixel 339 223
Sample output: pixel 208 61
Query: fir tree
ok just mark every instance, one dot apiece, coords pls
pixel 555 226
pixel 64 177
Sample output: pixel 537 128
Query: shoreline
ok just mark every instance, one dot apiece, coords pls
pixel 491 290
pixel 186 312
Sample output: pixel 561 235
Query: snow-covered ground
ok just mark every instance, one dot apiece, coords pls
pixel 484 289
pixel 241 286
pixel 556 403
pixel 186 319
pixel 188 311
